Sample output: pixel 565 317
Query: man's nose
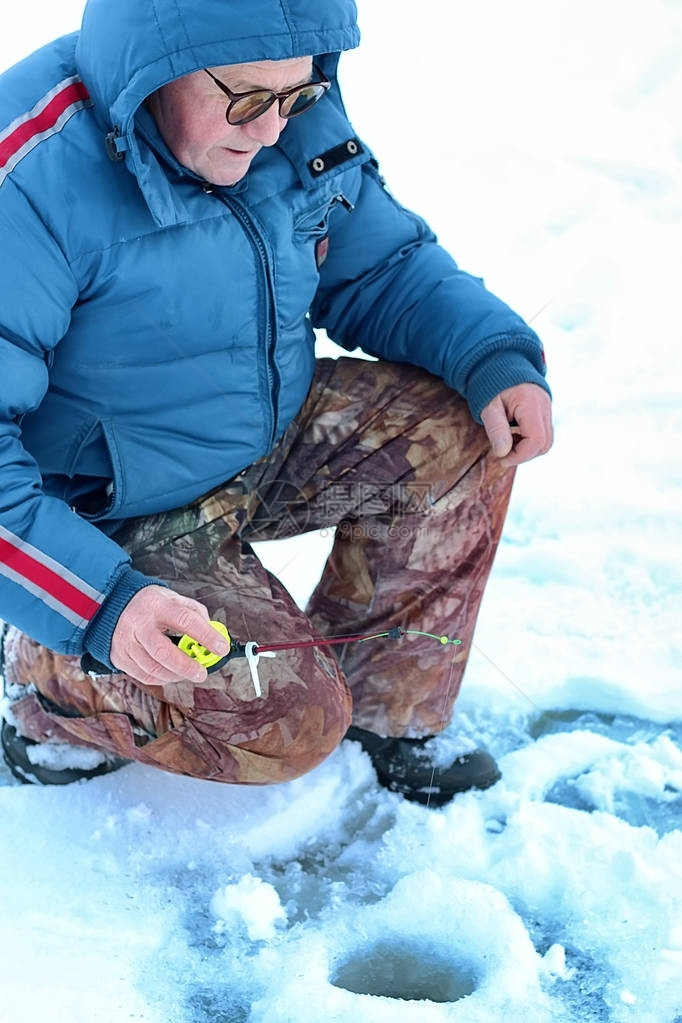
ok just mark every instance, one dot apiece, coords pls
pixel 267 128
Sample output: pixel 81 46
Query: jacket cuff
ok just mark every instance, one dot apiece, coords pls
pixel 503 369
pixel 97 639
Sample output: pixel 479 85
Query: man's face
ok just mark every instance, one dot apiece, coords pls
pixel 190 114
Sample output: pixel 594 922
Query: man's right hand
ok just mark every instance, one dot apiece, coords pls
pixel 140 646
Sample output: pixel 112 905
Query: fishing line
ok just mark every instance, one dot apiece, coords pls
pixel 505 676
pixel 442 715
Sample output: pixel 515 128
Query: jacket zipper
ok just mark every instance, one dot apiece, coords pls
pixel 263 261
pixel 343 201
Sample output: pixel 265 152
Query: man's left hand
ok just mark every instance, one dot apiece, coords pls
pixel 529 408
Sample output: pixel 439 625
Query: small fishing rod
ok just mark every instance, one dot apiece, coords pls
pixel 253 651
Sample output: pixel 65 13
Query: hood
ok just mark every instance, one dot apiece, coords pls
pixel 127 49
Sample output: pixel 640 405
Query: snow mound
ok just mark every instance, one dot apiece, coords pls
pixel 434 950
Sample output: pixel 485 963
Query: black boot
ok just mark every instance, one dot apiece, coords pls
pixel 16 752
pixel 408 766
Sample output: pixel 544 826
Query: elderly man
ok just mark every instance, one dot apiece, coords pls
pixel 183 200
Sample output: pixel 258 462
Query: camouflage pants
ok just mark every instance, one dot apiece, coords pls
pixel 390 457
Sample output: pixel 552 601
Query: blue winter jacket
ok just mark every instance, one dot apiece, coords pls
pixel 156 334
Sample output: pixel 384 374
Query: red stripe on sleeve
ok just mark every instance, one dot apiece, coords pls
pixel 42 122
pixel 47 580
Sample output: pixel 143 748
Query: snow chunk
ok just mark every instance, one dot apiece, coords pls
pixel 252 903
pixel 60 756
pixel 555 963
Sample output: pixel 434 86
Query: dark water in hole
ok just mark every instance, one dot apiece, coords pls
pixel 400 971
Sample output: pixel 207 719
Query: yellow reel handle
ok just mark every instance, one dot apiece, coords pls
pixel 200 653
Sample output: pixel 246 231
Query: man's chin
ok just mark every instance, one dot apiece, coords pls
pixel 227 178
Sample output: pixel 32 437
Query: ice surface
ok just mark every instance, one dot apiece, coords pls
pixel 551 165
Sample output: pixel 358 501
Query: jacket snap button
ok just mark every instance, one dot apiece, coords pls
pixel 352 146
pixel 318 164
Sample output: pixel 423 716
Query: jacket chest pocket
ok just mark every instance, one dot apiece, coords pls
pixel 311 228
pixel 314 222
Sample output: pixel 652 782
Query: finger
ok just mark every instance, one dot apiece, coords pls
pixel 172 664
pixel 497 428
pixel 152 673
pixel 537 421
pixel 529 446
pixel 549 429
pixel 153 659
pixel 524 450
pixel 210 638
pixel 196 624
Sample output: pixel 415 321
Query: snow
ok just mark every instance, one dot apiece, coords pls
pixel 543 143
pixel 251 903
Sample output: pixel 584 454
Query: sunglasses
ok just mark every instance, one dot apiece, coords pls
pixel 247 106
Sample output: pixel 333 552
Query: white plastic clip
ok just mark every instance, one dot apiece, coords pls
pixel 252 658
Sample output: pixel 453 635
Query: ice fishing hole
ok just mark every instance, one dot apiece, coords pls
pixel 392 970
